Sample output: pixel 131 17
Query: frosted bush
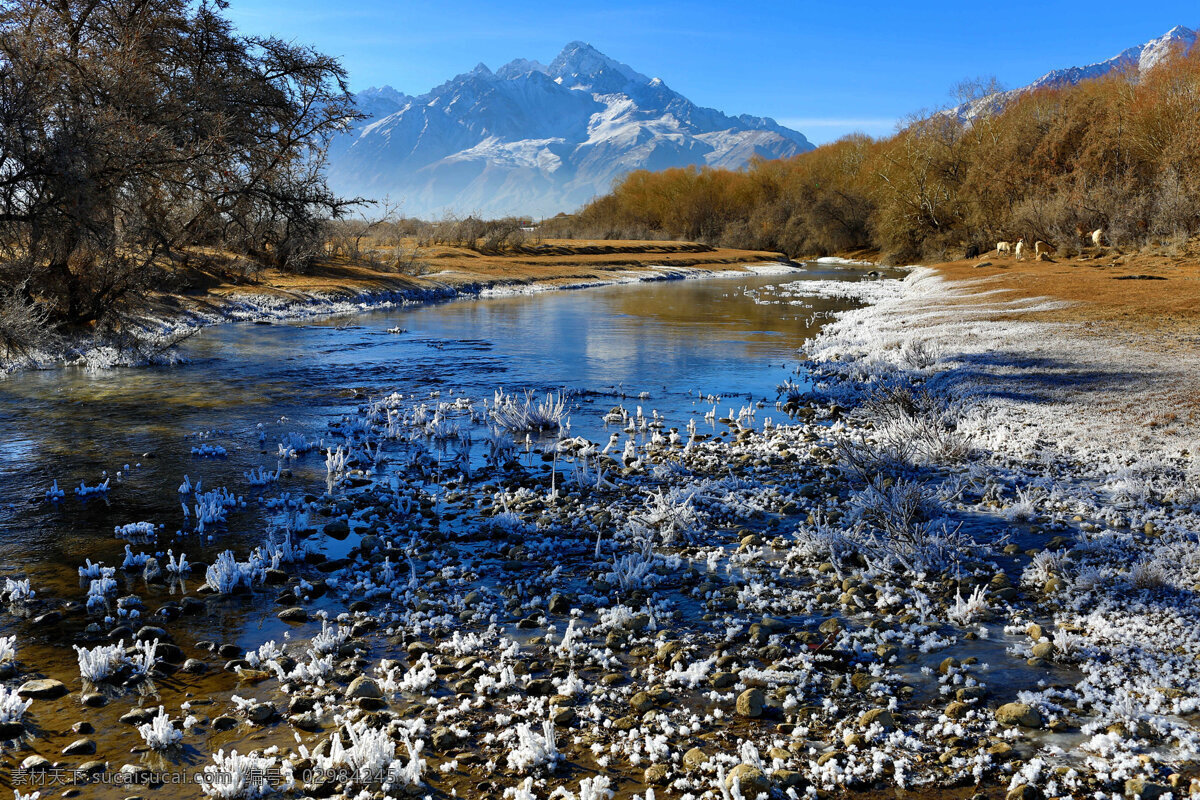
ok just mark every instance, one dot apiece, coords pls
pixel 528 414
pixel 12 705
pixel 973 608
pixel 134 530
pixel 8 649
pixel 144 657
pixel 17 591
pixel 238 777
pixel 258 476
pixel 330 638
pixel 533 750
pixel 102 662
pixel 226 574
pixel 898 508
pixel 1026 506
pixel 672 513
pixel 371 755
pixel 160 733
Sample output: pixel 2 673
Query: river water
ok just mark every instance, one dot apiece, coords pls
pixel 244 387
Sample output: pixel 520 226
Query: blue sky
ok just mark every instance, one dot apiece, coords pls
pixel 825 68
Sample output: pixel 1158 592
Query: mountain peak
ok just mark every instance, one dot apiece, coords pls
pixel 519 67
pixel 579 62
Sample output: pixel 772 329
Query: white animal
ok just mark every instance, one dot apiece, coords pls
pixel 1003 247
pixel 1097 236
pixel 1019 250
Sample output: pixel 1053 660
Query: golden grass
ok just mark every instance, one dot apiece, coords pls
pixel 550 262
pixel 1151 294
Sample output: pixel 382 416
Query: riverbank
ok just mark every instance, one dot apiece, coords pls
pixel 444 271
pixel 198 296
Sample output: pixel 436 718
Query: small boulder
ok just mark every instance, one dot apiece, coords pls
pixel 749 779
pixel 43 689
pixel 1022 714
pixel 750 703
pixel 80 747
pixel 878 716
pixel 362 686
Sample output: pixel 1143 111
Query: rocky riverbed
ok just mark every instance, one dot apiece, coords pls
pixel 856 591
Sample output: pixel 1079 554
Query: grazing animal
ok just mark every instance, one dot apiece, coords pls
pixel 1040 248
pixel 1019 249
pixel 1003 247
pixel 1097 237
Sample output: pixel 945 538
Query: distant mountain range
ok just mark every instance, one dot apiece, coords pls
pixel 536 139
pixel 1134 61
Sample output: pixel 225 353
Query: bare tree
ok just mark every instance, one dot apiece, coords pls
pixel 133 129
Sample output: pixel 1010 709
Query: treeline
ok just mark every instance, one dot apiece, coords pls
pixel 136 135
pixel 1112 153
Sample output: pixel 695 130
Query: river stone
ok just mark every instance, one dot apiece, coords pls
pixel 957 709
pixel 1043 650
pixel 694 759
pixel 195 666
pixel 656 774
pixel 259 713
pixel 749 779
pixel 788 779
pixel 80 747
pixel 338 529
pixel 642 702
pixel 723 680
pixel 1024 792
pixel 750 703
pixel 11 730
pixel 443 739
pixel 43 689
pixel 36 763
pixel 862 681
pixel 224 723
pixel 93 699
pixel 1140 787
pixel 362 686
pixel 294 614
pixel 1021 714
pixel 152 571
pixel 880 716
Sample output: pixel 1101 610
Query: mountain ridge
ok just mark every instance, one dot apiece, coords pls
pixel 1132 60
pixel 537 139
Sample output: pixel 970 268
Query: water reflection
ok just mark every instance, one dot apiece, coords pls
pixel 247 386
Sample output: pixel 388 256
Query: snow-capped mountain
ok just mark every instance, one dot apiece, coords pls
pixel 1134 61
pixel 536 139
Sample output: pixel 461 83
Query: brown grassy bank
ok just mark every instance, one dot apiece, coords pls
pixel 553 262
pixel 1152 295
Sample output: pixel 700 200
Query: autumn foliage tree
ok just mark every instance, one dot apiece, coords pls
pixel 1117 152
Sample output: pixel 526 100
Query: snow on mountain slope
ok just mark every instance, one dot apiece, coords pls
pixel 1134 61
pixel 537 139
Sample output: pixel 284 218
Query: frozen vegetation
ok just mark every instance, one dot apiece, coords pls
pixel 904 575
